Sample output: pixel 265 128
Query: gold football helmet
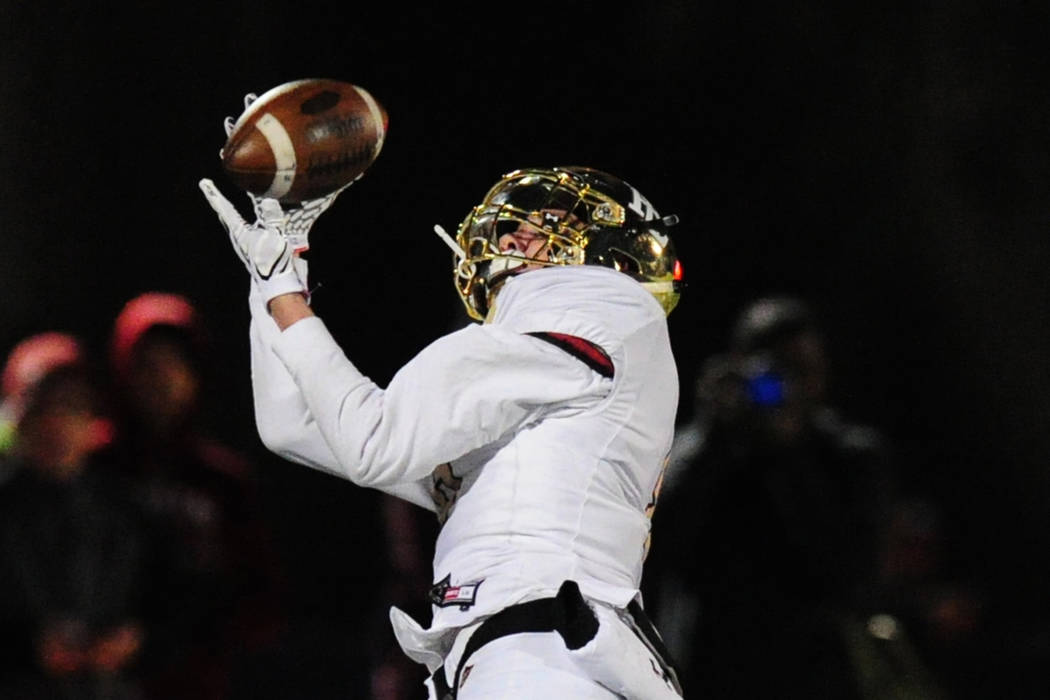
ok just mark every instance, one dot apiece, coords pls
pixel 587 217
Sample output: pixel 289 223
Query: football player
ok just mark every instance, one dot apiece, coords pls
pixel 538 436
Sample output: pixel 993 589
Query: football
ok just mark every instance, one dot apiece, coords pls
pixel 304 139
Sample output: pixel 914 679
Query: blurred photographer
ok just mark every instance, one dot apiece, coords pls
pixel 774 509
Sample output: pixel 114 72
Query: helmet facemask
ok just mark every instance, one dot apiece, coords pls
pixel 560 216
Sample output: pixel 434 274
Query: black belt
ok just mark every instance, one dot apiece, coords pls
pixel 567 613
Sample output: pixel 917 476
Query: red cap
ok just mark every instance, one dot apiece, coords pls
pixel 142 313
pixel 35 356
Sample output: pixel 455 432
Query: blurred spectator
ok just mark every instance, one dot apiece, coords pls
pixel 936 601
pixel 71 554
pixel 28 361
pixel 768 533
pixel 215 604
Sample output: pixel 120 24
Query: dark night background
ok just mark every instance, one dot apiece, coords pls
pixel 887 162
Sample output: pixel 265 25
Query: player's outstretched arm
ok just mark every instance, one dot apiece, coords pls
pixel 286 309
pixel 284 421
pixel 270 249
pixel 279 282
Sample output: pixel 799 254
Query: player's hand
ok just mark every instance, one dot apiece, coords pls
pixel 300 218
pixel 262 246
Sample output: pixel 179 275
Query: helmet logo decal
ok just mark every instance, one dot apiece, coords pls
pixel 640 205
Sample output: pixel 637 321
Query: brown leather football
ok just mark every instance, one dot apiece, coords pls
pixel 304 139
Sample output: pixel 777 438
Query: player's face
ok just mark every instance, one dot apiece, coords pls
pixel 532 239
pixel 528 241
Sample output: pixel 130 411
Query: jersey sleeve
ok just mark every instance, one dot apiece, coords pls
pixel 284 421
pixel 465 390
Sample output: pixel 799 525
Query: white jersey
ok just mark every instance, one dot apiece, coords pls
pixel 549 470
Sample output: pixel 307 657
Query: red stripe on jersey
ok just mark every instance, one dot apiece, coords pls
pixel 585 350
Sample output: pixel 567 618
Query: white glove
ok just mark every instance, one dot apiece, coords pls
pixel 262 246
pixel 270 248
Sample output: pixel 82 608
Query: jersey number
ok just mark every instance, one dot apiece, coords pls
pixel 444 490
